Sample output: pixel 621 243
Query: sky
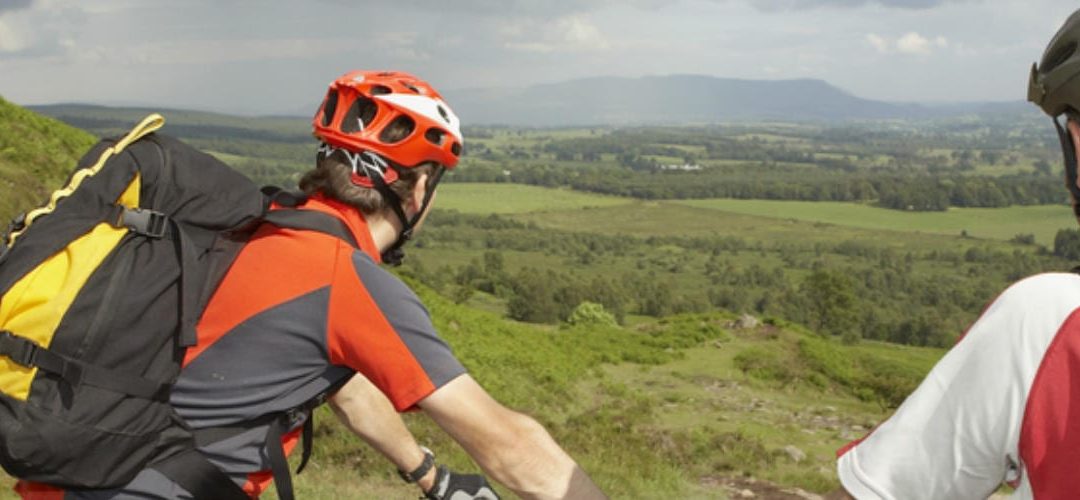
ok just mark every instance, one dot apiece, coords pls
pixel 276 57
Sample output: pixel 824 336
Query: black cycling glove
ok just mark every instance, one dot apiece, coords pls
pixel 451 485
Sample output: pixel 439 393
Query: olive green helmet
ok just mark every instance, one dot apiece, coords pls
pixel 1055 80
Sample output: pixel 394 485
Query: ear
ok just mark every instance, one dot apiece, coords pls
pixel 416 199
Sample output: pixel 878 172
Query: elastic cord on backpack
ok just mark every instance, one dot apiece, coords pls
pixel 149 124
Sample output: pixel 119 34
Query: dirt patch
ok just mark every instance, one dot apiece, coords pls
pixel 739 488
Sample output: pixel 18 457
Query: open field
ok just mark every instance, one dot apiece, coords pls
pixel 486 198
pixel 1043 221
pixel 764 219
pixel 676 219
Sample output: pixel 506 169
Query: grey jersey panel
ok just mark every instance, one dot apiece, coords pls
pixel 410 319
pixel 273 361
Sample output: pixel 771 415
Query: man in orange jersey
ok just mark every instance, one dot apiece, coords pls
pixel 301 312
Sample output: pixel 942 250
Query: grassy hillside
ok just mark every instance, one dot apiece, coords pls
pixel 36 154
pixel 688 407
pixel 693 406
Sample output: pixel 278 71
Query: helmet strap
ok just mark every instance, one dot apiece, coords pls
pixel 394 255
pixel 1068 149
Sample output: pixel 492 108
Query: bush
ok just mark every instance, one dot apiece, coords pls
pixel 591 313
pixel 1067 244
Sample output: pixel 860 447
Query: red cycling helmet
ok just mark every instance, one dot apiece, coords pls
pixel 392 113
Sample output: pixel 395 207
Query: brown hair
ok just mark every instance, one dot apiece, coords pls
pixel 332 176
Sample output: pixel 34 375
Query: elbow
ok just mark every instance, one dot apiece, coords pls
pixel 528 461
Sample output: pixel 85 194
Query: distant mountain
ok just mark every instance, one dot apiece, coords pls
pixel 682 99
pixel 652 100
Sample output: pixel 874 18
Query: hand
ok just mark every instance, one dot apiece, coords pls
pixel 451 485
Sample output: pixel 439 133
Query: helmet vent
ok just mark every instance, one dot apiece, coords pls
pixel 456 149
pixel 411 87
pixel 397 130
pixel 360 115
pixel 1058 57
pixel 381 90
pixel 442 112
pixel 329 107
pixel 435 136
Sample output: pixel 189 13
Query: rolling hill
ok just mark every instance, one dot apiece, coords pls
pixel 36 154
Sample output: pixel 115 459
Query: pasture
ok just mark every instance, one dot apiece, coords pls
pixel 1043 221
pixel 491 198
pixel 752 219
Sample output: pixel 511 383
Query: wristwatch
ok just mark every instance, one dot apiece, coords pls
pixel 421 470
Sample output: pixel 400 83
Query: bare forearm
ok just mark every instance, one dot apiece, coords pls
pixel 368 414
pixel 548 472
pixel 512 448
pixel 531 464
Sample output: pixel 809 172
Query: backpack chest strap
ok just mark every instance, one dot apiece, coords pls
pixel 74 373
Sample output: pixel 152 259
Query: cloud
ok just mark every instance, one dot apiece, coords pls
pixel 536 9
pixel 773 5
pixel 12 5
pixel 568 34
pixel 11 40
pixel 908 43
pixel 879 43
pixel 914 43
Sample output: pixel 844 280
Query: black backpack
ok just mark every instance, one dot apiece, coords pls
pixel 100 292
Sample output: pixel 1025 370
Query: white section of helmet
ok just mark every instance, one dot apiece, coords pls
pixel 435 109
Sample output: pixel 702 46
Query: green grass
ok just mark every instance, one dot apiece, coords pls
pixel 36 154
pixel 678 219
pixel 482 198
pixel 751 219
pixel 710 399
pixel 994 223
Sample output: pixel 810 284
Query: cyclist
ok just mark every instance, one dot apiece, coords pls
pixel 1003 406
pixel 300 312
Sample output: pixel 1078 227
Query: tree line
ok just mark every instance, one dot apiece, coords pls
pixel 851 288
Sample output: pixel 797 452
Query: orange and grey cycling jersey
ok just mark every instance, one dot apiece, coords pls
pixel 297 312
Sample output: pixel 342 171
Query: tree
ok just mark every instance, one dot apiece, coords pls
pixel 1067 244
pixel 831 302
pixel 533 298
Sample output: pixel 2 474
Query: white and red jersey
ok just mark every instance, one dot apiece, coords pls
pixel 1002 406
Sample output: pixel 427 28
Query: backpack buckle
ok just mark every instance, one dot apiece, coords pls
pixel 20 350
pixel 146 222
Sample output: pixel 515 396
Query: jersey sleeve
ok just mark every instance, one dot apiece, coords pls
pixel 378 327
pixel 957 435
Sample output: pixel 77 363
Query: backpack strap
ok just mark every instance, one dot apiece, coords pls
pixel 312 220
pixel 25 352
pixel 279 423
